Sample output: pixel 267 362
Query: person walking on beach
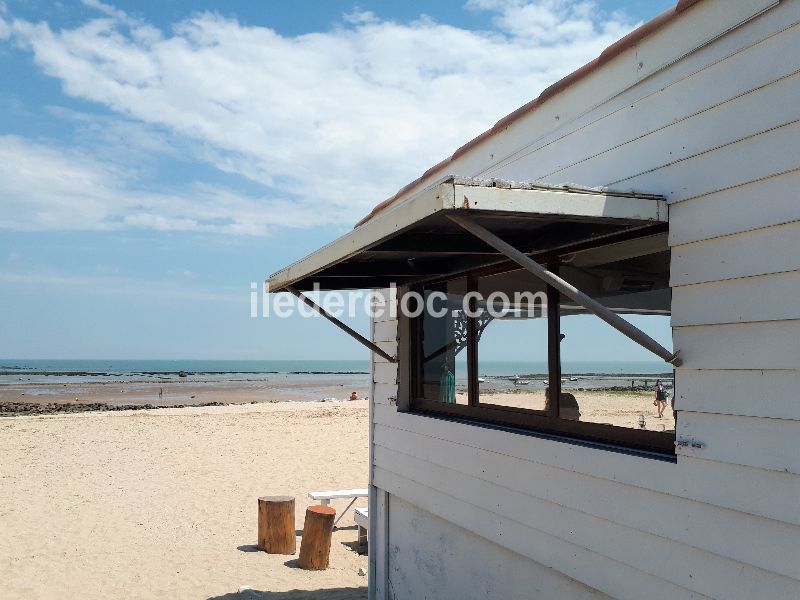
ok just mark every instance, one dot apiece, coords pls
pixel 661 398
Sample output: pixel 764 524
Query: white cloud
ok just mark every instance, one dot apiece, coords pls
pixel 106 9
pixel 336 120
pixel 43 187
pixel 546 21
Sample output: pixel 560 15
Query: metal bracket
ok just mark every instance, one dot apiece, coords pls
pixel 566 288
pixel 689 443
pixel 348 330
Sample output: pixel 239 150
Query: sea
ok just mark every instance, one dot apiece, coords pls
pixel 43 371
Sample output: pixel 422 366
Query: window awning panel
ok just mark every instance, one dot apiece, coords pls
pixel 415 241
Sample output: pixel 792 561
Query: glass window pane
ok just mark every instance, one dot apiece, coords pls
pixel 444 344
pixel 607 377
pixel 512 344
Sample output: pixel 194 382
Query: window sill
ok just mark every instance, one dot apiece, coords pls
pixel 560 437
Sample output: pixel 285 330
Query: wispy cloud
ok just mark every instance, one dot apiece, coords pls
pixel 334 121
pixel 113 285
pixel 43 186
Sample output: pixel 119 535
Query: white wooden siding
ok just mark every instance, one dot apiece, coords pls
pixel 743 300
pixel 737 209
pixel 696 479
pixel 763 345
pixel 769 393
pixel 715 74
pixel 453 562
pixel 385 372
pixel 389 347
pixel 384 393
pixel 620 85
pixel 596 570
pixel 386 331
pixel 608 507
pixel 770 106
pixel 760 252
pixel 756 442
pixel 718 134
pixel 696 539
pixel 694 570
pixel 721 167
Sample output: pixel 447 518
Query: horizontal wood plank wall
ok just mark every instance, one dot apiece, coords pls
pixel 718 134
pixel 452 562
pixel 694 569
pixel 384 334
pixel 383 330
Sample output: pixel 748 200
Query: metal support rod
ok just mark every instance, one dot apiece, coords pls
pixel 473 389
pixel 566 288
pixel 554 346
pixel 339 518
pixel 352 332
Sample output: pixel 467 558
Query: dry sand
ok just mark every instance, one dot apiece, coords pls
pixel 163 503
pixel 614 408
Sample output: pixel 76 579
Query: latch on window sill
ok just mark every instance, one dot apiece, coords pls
pixel 689 443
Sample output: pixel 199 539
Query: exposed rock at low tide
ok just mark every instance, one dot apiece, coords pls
pixel 11 409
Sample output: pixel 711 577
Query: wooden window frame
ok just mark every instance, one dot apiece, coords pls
pixel 661 443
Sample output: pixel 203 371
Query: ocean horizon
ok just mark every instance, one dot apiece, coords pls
pixel 14 370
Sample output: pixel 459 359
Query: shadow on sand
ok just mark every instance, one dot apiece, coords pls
pixel 356 547
pixel 330 594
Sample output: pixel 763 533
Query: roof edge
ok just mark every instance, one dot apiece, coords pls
pixel 614 50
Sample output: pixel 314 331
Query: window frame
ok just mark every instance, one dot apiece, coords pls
pixel 662 443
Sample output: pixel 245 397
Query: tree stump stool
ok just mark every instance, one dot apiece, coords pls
pixel 276 525
pixel 315 548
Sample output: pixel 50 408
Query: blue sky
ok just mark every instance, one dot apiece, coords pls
pixel 155 158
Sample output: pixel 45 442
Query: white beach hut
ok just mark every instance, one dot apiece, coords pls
pixel 681 143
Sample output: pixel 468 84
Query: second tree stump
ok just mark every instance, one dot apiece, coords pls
pixel 315 548
pixel 276 525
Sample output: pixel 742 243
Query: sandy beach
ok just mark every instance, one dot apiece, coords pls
pixel 163 503
pixel 622 409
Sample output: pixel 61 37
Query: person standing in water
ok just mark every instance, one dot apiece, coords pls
pixel 661 398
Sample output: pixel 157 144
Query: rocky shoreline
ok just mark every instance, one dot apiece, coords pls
pixel 15 409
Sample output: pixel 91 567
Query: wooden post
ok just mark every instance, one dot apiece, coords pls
pixel 315 549
pixel 276 525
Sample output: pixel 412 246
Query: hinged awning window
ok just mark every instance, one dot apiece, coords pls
pixel 414 239
pixel 462 225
